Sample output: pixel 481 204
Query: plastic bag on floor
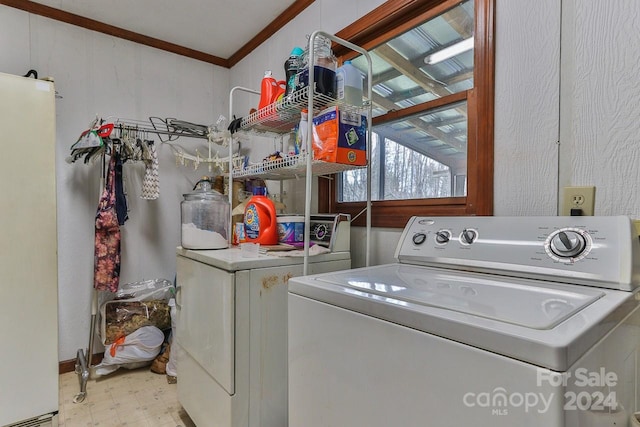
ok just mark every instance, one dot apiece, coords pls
pixel 172 365
pixel 136 305
pixel 132 351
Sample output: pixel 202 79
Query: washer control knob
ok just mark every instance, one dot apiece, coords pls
pixel 468 236
pixel 419 238
pixel 443 236
pixel 567 244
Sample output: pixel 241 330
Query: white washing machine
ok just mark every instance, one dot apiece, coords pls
pixel 232 330
pixel 483 321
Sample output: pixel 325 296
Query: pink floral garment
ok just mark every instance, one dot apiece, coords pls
pixel 106 275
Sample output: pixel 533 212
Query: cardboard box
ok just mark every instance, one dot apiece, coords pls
pixel 340 137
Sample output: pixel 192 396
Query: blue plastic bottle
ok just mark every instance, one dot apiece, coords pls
pixel 291 68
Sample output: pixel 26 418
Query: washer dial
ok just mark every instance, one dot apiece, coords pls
pixel 419 238
pixel 442 236
pixel 468 236
pixel 568 244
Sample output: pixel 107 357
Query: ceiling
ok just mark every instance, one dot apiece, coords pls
pixel 219 28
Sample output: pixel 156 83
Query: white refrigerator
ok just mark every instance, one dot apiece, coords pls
pixel 28 259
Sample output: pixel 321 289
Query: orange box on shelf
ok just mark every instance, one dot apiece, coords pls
pixel 340 137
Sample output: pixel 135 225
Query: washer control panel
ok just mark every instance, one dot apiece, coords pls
pixel 596 251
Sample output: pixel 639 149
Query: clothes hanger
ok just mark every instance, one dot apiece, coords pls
pixel 127 140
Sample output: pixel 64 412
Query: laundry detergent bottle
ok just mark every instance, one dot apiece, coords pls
pixel 260 220
pixel 291 68
pixel 268 90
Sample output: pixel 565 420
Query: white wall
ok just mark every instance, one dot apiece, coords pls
pixel 99 74
pixel 567 71
pixel 526 107
pixel 600 108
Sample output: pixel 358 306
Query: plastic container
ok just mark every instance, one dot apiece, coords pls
pixel 270 90
pixel 301 134
pixel 349 84
pixel 204 216
pixel 291 229
pixel 260 220
pixel 291 68
pixel 324 65
pixel 280 91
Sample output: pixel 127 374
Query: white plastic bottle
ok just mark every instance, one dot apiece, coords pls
pixel 349 84
pixel 301 135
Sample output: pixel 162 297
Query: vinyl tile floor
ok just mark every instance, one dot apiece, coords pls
pixel 133 398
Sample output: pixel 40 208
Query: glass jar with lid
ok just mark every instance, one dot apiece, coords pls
pixel 204 216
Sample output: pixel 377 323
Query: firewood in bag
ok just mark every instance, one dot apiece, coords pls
pixel 136 305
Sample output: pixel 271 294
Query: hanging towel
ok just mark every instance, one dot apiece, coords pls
pixel 106 276
pixel 151 180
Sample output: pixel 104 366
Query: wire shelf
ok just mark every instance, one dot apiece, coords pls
pixel 283 115
pixel 291 167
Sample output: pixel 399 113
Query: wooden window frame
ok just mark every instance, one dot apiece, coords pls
pixel 387 21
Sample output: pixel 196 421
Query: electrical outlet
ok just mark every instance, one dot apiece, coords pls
pixel 583 198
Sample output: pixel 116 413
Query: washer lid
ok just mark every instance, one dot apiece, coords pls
pixel 540 322
pixel 491 297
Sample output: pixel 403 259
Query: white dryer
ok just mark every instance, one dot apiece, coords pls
pixel 232 334
pixel 483 321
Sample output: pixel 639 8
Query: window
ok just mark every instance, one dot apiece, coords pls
pixel 432 147
pixel 408 162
